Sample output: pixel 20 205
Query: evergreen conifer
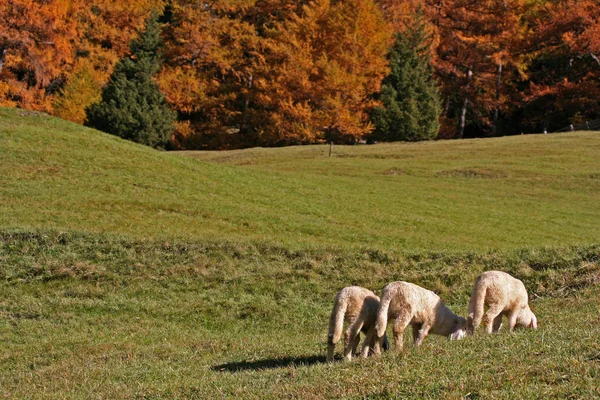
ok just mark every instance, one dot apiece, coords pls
pixel 411 100
pixel 132 105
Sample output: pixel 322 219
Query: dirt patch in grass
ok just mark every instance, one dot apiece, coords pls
pixel 37 171
pixel 473 173
pixel 377 156
pixel 394 172
pixel 29 113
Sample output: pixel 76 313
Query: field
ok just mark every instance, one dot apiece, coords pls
pixel 131 273
pixel 473 194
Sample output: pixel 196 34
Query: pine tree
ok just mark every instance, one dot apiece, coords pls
pixel 411 101
pixel 132 105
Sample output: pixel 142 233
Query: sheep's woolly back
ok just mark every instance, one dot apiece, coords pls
pixel 418 305
pixel 500 290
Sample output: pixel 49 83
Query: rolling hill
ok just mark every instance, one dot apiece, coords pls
pixel 471 194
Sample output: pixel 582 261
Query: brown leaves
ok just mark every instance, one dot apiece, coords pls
pixel 329 61
pixel 44 42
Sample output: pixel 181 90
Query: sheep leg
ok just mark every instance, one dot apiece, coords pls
pixel 415 332
pixel 330 350
pixel 356 343
pixel 379 343
pixel 330 347
pixel 421 334
pixel 497 323
pixel 352 338
pixel 512 318
pixel 385 345
pixel 490 316
pixel 369 342
pixel 399 327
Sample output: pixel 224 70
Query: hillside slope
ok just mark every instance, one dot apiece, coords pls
pixel 471 194
pixel 178 284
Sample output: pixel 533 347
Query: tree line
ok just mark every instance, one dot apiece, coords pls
pixel 238 73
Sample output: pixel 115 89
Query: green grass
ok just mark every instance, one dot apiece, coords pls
pixel 131 273
pixel 91 316
pixel 472 194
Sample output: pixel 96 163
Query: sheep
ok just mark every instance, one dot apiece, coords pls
pixel 358 307
pixel 504 295
pixel 408 303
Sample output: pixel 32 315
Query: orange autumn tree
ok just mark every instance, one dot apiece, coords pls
pixel 564 71
pixel 578 23
pixel 106 27
pixel 211 54
pixel 324 66
pixel 234 69
pixel 476 56
pixel 36 43
pixel 82 88
pixel 44 43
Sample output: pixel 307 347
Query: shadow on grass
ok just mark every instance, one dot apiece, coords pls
pixel 270 363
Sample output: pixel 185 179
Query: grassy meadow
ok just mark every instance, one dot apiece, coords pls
pixel 127 272
pixel 473 194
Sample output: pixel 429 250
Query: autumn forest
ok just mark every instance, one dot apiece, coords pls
pixel 241 73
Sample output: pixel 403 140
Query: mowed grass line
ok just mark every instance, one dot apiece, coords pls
pixel 473 194
pixel 96 316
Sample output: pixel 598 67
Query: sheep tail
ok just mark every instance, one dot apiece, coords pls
pixel 476 306
pixel 336 322
pixel 382 315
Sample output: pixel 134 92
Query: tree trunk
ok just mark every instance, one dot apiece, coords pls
pixel 2 55
pixel 498 84
pixel 246 104
pixel 463 112
pixel 446 107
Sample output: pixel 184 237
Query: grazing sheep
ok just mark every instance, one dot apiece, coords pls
pixel 504 295
pixel 409 304
pixel 357 306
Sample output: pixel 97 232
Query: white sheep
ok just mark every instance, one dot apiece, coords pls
pixel 504 295
pixel 358 307
pixel 410 304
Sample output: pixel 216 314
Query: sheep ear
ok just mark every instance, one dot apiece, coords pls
pixel 533 323
pixel 457 335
